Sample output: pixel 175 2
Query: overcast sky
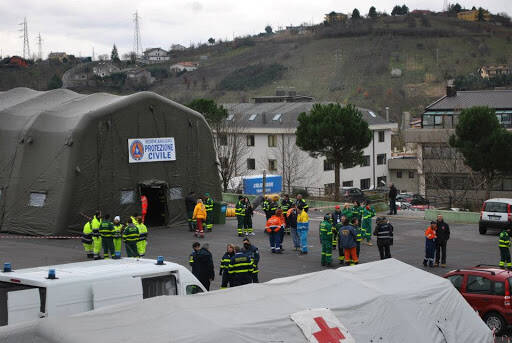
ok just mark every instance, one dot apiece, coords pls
pixel 76 26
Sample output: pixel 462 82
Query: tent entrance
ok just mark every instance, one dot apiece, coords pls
pixel 157 204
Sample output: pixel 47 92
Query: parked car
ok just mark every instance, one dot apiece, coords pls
pixel 495 214
pixel 411 201
pixel 352 194
pixel 486 289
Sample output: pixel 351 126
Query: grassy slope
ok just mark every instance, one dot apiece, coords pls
pixel 362 75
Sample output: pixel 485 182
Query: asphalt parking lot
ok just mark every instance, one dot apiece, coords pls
pixel 465 248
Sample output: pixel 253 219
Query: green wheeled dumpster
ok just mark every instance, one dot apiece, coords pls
pixel 219 212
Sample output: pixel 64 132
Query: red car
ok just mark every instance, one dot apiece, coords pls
pixel 487 289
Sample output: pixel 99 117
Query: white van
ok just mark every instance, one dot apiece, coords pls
pixel 496 214
pixel 28 294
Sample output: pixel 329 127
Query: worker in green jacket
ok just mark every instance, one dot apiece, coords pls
pixel 357 210
pixel 118 229
pixel 107 237
pixel 96 237
pixel 240 215
pixel 326 240
pixel 504 245
pixel 208 204
pixel 87 239
pixel 143 236
pixel 347 212
pixel 131 238
pixel 366 224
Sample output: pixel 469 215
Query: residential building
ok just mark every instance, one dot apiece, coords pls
pixel 138 77
pixel 58 56
pixel 184 66
pixel 156 55
pixel 403 171
pixel 105 69
pixel 14 61
pixel 422 12
pixel 441 170
pixel 491 71
pixel 269 127
pixel 335 17
pixel 177 47
pixel 473 15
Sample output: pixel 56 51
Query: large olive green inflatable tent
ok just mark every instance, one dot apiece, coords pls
pixel 63 155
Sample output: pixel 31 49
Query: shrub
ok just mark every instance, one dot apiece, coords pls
pixel 159 72
pixel 252 76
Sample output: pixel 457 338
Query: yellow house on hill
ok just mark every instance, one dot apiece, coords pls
pixel 335 17
pixel 473 15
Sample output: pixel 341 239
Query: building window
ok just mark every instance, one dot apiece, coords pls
pixel 175 193
pixel 398 174
pixel 250 140
pixel 364 183
pixel 37 199
pixel 127 197
pixel 348 165
pixel 223 140
pixel 328 165
pixel 272 141
pixel 382 136
pixel 381 159
pixel 277 117
pixel 348 184
pixel 272 165
pixel 381 181
pixel 251 163
pixel 253 116
pixel 411 175
pixel 366 161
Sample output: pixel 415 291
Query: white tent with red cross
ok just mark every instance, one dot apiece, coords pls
pixel 381 302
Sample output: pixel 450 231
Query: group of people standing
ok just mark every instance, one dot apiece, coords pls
pixel 346 229
pixel 238 266
pixel 199 213
pixel 287 217
pixel 100 233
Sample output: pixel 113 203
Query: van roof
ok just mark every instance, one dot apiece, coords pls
pixel 505 200
pixel 87 271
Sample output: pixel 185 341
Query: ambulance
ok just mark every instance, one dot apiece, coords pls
pixel 66 289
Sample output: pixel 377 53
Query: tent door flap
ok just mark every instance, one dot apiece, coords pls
pixel 23 305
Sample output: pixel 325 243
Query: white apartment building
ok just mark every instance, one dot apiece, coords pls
pixel 156 55
pixel 269 125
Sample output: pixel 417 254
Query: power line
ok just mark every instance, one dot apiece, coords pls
pixel 137 41
pixel 39 47
pixel 26 47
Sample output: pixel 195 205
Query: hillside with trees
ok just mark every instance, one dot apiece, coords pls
pixel 371 59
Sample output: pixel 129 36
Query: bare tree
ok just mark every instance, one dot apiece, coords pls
pixel 290 160
pixel 230 144
pixel 446 173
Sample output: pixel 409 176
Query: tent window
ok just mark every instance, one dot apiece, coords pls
pixel 127 197
pixel 159 285
pixel 175 193
pixel 37 199
pixel 193 289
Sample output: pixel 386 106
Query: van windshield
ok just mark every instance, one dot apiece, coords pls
pixel 495 207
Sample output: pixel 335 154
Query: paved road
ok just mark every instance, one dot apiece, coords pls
pixel 465 248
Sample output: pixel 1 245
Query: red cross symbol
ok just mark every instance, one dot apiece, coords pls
pixel 327 334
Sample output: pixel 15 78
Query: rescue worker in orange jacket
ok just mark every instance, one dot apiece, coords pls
pixel 275 224
pixel 144 203
pixel 430 244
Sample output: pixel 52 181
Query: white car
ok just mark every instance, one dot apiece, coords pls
pixel 496 214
